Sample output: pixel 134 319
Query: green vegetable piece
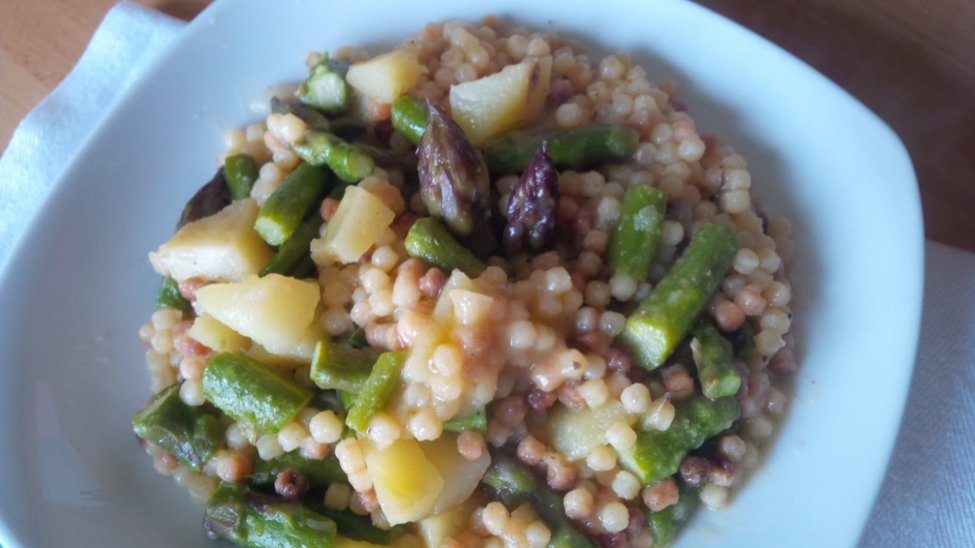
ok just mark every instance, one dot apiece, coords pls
pixel 170 297
pixel 515 484
pixel 665 316
pixel 376 392
pixel 187 433
pixel 715 362
pixel 410 117
pixel 431 242
pixel 326 88
pixel 334 365
pixel 211 198
pixel 256 520
pixel 533 206
pixel 573 149
pixel 347 161
pixel 637 233
pixel 252 393
pixel 240 170
pixel 311 117
pixel 475 420
pixel 666 523
pixel 285 208
pixel 358 338
pixel 320 472
pixel 347 399
pixel 291 256
pixel 657 454
pixel 358 527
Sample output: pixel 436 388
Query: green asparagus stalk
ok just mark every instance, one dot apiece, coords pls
pixel 284 209
pixel 320 472
pixel 357 339
pixel 715 362
pixel 188 433
pixel 515 485
pixel 637 233
pixel 667 522
pixel 251 393
pixel 410 117
pixel 170 297
pixel 211 198
pixel 240 170
pixel 358 527
pixel 376 392
pixel 326 88
pixel 665 316
pixel 475 420
pixel 657 454
pixel 256 520
pixel 342 367
pixel 347 161
pixel 290 256
pixel 533 206
pixel 311 117
pixel 431 242
pixel 573 149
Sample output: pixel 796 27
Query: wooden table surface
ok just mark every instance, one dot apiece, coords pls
pixel 911 61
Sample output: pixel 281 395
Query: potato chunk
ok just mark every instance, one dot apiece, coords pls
pixel 274 311
pixel 213 334
pixel 407 484
pixel 495 104
pixel 462 475
pixel 359 221
pixel 576 433
pixel 387 76
pixel 221 247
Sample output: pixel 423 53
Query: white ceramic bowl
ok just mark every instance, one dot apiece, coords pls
pixel 79 286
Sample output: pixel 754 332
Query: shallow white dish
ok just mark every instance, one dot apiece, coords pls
pixel 78 286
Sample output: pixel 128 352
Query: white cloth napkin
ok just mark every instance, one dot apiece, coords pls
pixel 928 496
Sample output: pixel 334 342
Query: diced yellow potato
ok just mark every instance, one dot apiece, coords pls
pixel 300 353
pixel 274 311
pixel 221 247
pixel 440 527
pixel 495 104
pixel 386 76
pixel 460 474
pixel 359 221
pixel 407 484
pixel 470 307
pixel 213 334
pixel 576 433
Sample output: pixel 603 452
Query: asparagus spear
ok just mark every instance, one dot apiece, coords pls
pixel 326 88
pixel 515 485
pixel 664 317
pixel 170 297
pixel 573 149
pixel 357 339
pixel 410 117
pixel 187 433
pixel 292 253
pixel 533 205
pixel 637 233
pixel 667 522
pixel 431 242
pixel 335 365
pixel 376 391
pixel 211 198
pixel 240 170
pixel 358 527
pixel 715 363
pixel 284 209
pixel 256 520
pixel 319 472
pixel 311 117
pixel 658 454
pixel 474 420
pixel 347 161
pixel 251 393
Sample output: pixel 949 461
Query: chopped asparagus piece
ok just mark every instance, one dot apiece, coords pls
pixel 715 362
pixel 665 316
pixel 410 117
pixel 170 297
pixel 211 198
pixel 376 392
pixel 240 170
pixel 256 520
pixel 319 472
pixel 573 149
pixel 291 256
pixel 335 365
pixel 431 242
pixel 251 393
pixel 347 161
pixel 311 117
pixel 358 527
pixel 657 454
pixel 326 88
pixel 188 433
pixel 637 232
pixel 284 209
pixel 667 522
pixel 475 420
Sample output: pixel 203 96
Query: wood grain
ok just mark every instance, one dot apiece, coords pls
pixel 911 61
